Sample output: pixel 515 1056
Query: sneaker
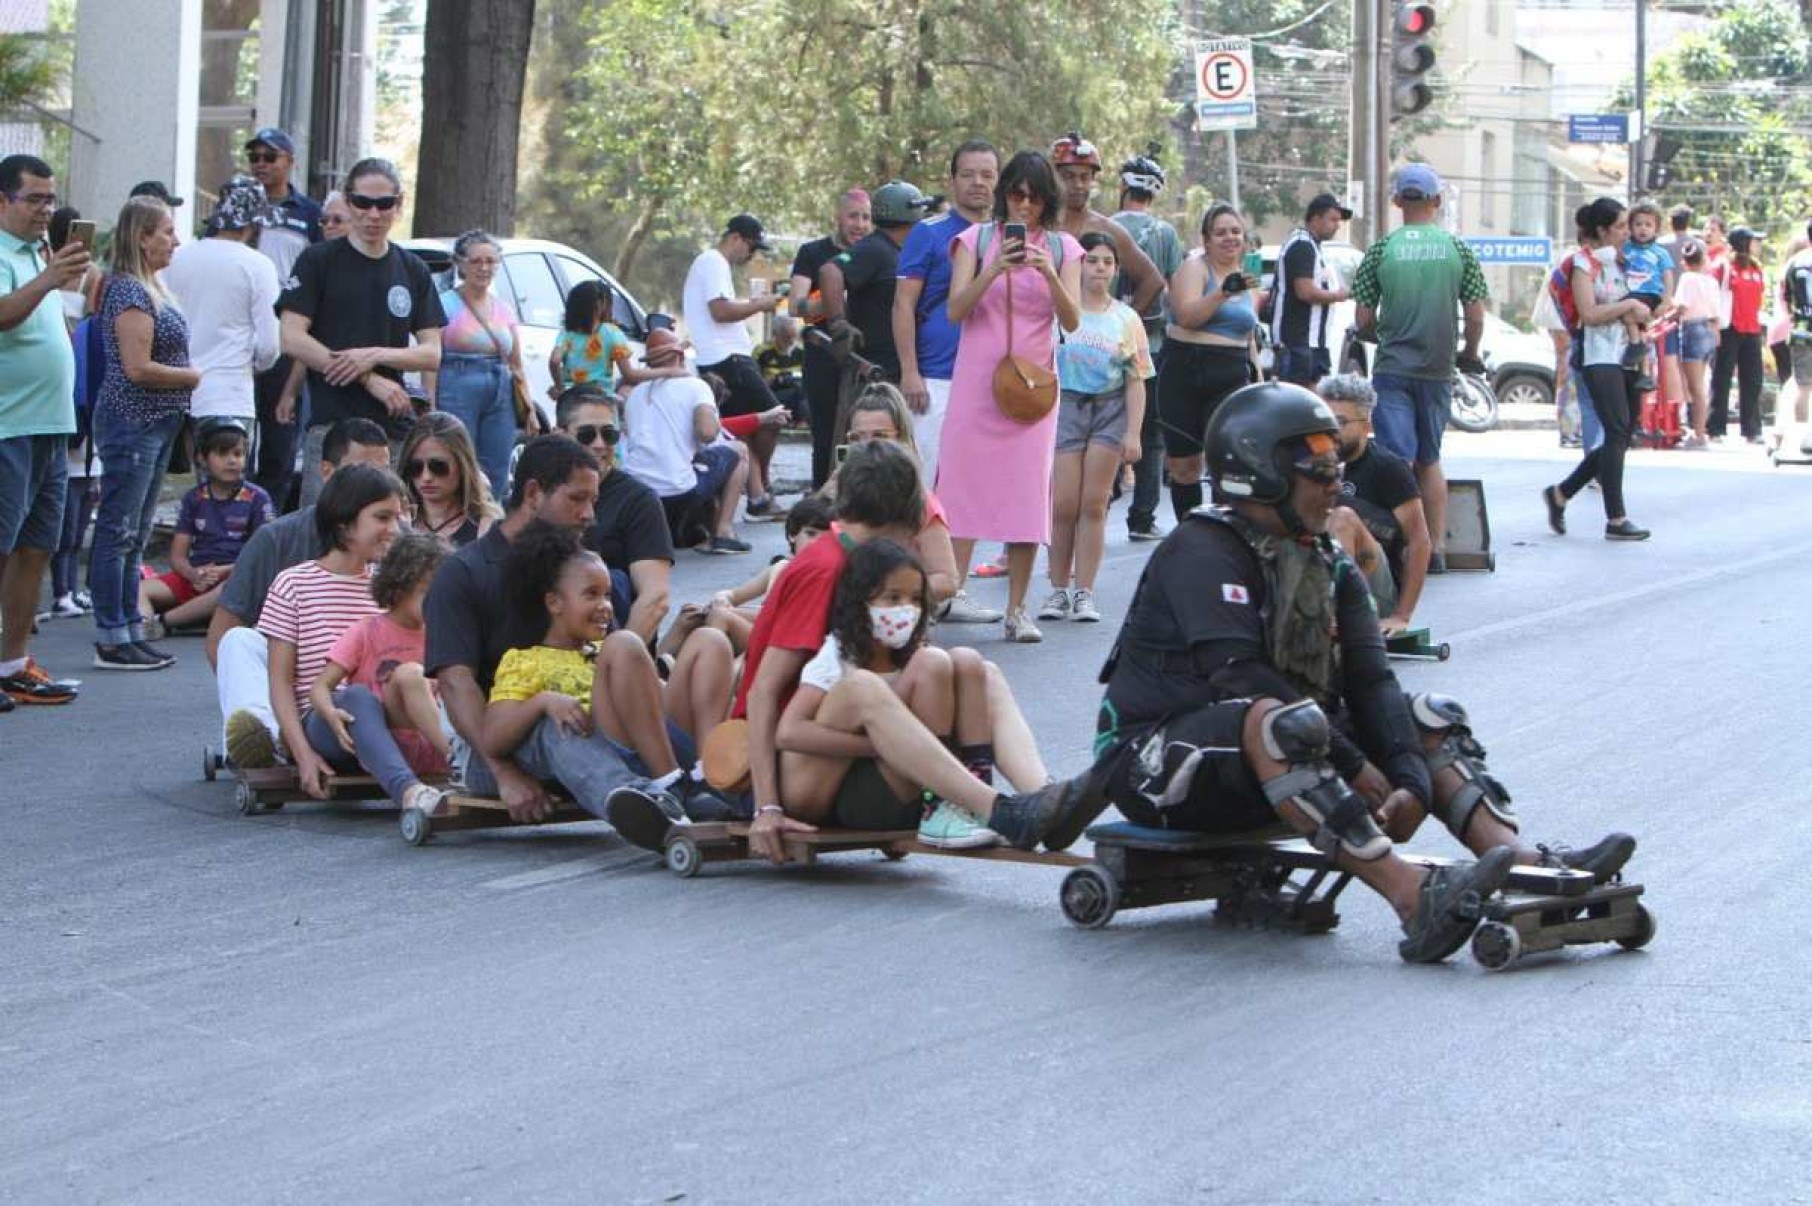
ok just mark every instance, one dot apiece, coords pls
pixel 763 510
pixel 1695 443
pixel 1082 607
pixel 1021 630
pixel 721 545
pixel 1055 814
pixel 1450 904
pixel 1625 529
pixel 85 601
pixel 1635 357
pixel 1144 535
pixel 126 657
pixel 1603 858
pixel 68 607
pixel 1087 800
pixel 154 629
pixel 249 745
pixel 644 815
pixel 1437 563
pixel 702 804
pixel 421 797
pixel 961 609
pixel 6 704
pixel 1057 607
pixel 31 685
pixel 168 659
pixel 952 827
pixel 1556 503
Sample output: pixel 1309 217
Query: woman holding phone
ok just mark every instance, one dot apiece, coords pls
pixel 994 473
pixel 1210 347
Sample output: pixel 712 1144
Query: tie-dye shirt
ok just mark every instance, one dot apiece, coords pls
pixel 465 335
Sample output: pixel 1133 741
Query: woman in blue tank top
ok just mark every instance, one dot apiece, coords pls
pixel 1209 348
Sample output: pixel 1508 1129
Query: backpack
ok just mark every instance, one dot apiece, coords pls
pixel 1796 285
pixel 1560 292
pixel 90 367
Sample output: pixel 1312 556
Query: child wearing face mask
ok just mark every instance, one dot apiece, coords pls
pixel 879 617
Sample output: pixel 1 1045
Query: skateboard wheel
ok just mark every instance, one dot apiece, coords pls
pixel 416 826
pixel 1089 897
pixel 893 854
pixel 1444 652
pixel 247 799
pixel 1495 945
pixel 683 857
pixel 210 763
pixel 1644 932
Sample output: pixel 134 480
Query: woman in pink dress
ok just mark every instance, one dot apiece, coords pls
pixel 994 474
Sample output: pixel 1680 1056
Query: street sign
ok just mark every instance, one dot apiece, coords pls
pixel 1493 250
pixel 1226 96
pixel 1605 128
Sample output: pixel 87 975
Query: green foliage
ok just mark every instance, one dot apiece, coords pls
pixel 27 71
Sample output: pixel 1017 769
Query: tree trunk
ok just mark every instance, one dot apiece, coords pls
pixel 474 61
pixel 638 234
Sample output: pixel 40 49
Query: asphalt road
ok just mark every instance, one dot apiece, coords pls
pixel 197 1007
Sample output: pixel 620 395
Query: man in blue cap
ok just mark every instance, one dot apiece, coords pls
pixel 1407 289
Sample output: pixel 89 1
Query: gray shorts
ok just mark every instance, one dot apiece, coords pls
pixel 1800 358
pixel 1084 419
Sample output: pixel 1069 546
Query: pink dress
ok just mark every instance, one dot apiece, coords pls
pixel 993 474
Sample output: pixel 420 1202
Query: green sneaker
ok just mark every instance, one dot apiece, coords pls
pixel 249 744
pixel 950 827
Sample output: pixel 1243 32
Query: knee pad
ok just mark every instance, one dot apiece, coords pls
pixel 1459 749
pixel 1298 735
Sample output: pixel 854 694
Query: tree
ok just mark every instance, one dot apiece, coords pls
pixel 26 71
pixel 474 60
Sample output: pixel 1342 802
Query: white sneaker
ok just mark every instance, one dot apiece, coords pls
pixel 423 797
pixel 1082 607
pixel 1057 607
pixel 1021 630
pixel 961 609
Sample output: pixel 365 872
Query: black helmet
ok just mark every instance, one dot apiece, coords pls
pixel 1143 173
pixel 898 203
pixel 1246 433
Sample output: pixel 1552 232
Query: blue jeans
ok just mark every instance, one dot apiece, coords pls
pixel 134 456
pixel 378 753
pixel 1412 413
pixel 78 511
pixel 589 767
pixel 477 391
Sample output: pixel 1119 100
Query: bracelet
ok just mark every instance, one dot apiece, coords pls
pixel 767 808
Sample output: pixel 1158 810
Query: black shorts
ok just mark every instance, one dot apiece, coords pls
pixel 1222 794
pixel 865 800
pixel 748 389
pixel 1192 381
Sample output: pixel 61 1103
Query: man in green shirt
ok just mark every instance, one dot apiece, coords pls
pixel 1407 290
pixel 37 414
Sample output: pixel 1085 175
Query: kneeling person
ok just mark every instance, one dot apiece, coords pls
pixel 213 523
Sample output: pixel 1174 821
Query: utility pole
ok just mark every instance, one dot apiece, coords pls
pixel 1638 168
pixel 1233 170
pixel 1363 94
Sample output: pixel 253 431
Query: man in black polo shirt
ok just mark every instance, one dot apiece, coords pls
pixel 360 312
pixel 858 288
pixel 854 221
pixel 471 625
pixel 629 527
pixel 1306 289
pixel 1380 487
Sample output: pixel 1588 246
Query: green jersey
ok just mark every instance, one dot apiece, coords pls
pixel 1416 279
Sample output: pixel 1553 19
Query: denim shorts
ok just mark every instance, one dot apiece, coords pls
pixel 714 463
pixel 34 478
pixel 1698 342
pixel 1411 414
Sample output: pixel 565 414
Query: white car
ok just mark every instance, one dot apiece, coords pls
pixel 536 277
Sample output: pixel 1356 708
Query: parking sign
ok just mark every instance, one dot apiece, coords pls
pixel 1226 96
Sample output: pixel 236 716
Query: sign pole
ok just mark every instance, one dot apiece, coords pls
pixel 1233 170
pixel 1638 184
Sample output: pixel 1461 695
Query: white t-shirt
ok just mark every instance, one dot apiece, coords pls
pixel 707 280
pixel 228 292
pixel 827 667
pixel 660 441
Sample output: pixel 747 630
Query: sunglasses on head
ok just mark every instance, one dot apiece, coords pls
pixel 600 431
pixel 263 156
pixel 381 204
pixel 438 466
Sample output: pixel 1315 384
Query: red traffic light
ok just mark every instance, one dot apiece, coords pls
pixel 1415 20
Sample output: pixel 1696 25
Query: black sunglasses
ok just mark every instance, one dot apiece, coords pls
pixel 381 204
pixel 263 156
pixel 604 431
pixel 1320 473
pixel 438 466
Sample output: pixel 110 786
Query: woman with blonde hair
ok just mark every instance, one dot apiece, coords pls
pixel 146 385
pixel 448 496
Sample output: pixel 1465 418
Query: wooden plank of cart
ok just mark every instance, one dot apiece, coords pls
pixel 690 847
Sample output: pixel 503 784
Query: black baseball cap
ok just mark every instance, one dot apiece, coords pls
pixel 1324 202
pixel 749 227
pixel 158 189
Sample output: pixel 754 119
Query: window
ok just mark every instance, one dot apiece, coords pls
pixel 533 290
pixel 625 313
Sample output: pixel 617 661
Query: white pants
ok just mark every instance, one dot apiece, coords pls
pixel 928 428
pixel 242 677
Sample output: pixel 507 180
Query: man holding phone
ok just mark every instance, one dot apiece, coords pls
pixel 37 414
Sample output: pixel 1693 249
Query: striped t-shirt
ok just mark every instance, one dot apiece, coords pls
pixel 309 608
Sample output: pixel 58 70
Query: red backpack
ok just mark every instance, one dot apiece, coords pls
pixel 1560 289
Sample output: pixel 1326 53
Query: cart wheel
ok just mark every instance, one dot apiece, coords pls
pixel 209 764
pixel 683 857
pixel 893 854
pixel 247 799
pixel 1496 945
pixel 416 826
pixel 1444 652
pixel 1645 931
pixel 1089 897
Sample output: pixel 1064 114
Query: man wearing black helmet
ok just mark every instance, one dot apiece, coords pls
pixel 1249 683
pixel 856 289
pixel 1141 180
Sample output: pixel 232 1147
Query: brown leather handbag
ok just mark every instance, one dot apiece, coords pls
pixel 1025 392
pixel 725 755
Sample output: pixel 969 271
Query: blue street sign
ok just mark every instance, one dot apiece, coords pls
pixel 1492 250
pixel 1608 128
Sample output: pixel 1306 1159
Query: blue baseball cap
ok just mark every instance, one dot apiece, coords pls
pixel 273 138
pixel 1416 182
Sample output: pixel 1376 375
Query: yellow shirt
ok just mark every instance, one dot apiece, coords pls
pixel 525 673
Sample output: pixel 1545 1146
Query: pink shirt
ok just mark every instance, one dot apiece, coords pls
pixel 309 608
pixel 374 647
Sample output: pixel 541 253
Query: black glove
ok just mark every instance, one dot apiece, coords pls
pixel 1471 365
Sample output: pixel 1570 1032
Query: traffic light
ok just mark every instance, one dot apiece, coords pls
pixel 1412 57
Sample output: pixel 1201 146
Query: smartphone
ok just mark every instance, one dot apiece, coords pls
pixel 82 231
pixel 1012 231
pixel 1253 265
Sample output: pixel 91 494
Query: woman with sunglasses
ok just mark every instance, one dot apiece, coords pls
pixel 994 472
pixel 447 494
pixel 481 357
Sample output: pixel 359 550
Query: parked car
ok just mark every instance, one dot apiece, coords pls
pixel 1521 363
pixel 535 278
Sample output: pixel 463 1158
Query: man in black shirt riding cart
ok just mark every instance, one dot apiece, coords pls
pixel 1250 683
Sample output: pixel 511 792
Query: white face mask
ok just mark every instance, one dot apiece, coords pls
pixel 893 626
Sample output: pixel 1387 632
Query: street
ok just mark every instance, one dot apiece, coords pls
pixel 199 1007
